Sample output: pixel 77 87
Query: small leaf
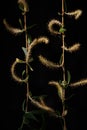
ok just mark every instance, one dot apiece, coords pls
pixel 29 39
pixel 30 67
pixel 19 128
pixel 43 125
pixel 62 30
pixel 20 23
pixel 24 50
pixel 69 77
pixel 21 7
pixel 23 72
pixel 31 26
pixel 30 60
pixel 30 115
pixel 58 113
pixel 65 4
pixel 23 106
pixel 60 61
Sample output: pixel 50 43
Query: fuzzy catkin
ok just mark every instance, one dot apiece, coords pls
pixel 12 29
pixel 79 83
pixel 58 86
pixel 43 106
pixel 48 63
pixel 35 42
pixel 72 48
pixel 76 13
pixel 13 72
pixel 51 24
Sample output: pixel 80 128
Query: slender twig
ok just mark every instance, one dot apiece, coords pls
pixel 63 39
pixel 63 66
pixel 26 42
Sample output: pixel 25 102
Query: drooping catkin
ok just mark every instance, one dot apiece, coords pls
pixel 79 83
pixel 58 86
pixel 35 42
pixel 12 29
pixel 42 106
pixel 51 26
pixel 48 63
pixel 76 13
pixel 13 71
pixel 72 48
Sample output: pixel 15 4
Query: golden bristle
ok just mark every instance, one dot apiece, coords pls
pixel 51 24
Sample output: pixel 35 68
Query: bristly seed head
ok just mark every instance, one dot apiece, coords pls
pixel 35 42
pixel 51 26
pixel 48 63
pixel 43 106
pixel 12 29
pixel 73 48
pixel 76 13
pixel 14 75
pixel 79 83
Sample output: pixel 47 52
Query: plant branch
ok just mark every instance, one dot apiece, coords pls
pixel 26 42
pixel 63 66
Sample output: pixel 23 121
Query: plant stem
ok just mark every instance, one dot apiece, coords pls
pixel 63 67
pixel 26 42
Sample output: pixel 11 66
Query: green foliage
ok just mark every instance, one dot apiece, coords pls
pixel 62 30
pixel 24 50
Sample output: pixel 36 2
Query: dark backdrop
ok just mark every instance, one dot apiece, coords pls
pixel 12 93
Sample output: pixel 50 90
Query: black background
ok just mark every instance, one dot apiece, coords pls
pixel 12 93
